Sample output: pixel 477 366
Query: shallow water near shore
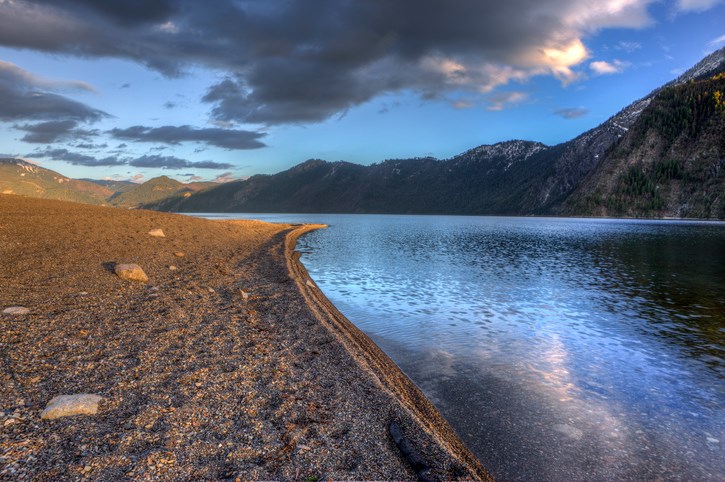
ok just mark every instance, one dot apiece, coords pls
pixel 558 349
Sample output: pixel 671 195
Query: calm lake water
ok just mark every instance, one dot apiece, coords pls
pixel 558 349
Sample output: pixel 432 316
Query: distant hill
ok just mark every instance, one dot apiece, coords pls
pixel 115 186
pixel 466 184
pixel 155 190
pixel 23 178
pixel 514 177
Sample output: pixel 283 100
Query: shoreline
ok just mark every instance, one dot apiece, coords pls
pixel 379 364
pixel 525 216
pixel 220 368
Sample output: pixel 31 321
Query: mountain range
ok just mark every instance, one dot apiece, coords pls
pixel 661 156
pixel 20 177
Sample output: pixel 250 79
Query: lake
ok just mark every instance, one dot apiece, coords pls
pixel 558 349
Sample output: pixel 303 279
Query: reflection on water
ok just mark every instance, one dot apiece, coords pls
pixel 559 349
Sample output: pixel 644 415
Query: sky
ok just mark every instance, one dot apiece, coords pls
pixel 224 89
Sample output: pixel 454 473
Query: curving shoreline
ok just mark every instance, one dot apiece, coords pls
pixel 223 367
pixel 425 419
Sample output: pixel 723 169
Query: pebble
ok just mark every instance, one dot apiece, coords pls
pixel 173 268
pixel 16 310
pixel 179 254
pixel 131 272
pixel 157 233
pixel 67 405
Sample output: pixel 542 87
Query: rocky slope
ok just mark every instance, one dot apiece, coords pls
pixel 578 157
pixel 671 162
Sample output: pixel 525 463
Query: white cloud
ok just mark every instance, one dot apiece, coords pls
pixel 592 15
pixel 169 27
pixel 225 177
pixel 11 72
pixel 559 55
pixel 696 5
pixel 717 42
pixel 462 104
pixel 628 47
pixel 600 67
pixel 501 100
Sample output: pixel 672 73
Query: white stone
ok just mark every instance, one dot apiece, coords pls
pixel 67 405
pixel 16 310
pixel 131 272
pixel 157 233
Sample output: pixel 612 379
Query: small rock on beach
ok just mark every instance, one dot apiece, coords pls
pixel 67 405
pixel 157 233
pixel 130 272
pixel 16 310
pixel 179 254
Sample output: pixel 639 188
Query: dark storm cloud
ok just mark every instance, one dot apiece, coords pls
pixel 75 158
pixel 306 60
pixel 213 136
pixel 172 162
pixel 91 146
pixel 53 131
pixel 26 97
pixel 129 12
pixel 571 113
pixel 150 161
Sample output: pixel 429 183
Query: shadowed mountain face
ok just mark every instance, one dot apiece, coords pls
pixel 521 177
pixel 671 161
pixel 465 184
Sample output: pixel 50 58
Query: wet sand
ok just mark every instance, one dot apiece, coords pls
pixel 233 365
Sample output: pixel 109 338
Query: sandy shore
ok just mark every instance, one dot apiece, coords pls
pixel 198 380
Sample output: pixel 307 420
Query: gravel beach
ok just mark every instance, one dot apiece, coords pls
pixel 226 364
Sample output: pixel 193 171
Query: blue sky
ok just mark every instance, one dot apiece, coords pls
pixel 233 99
